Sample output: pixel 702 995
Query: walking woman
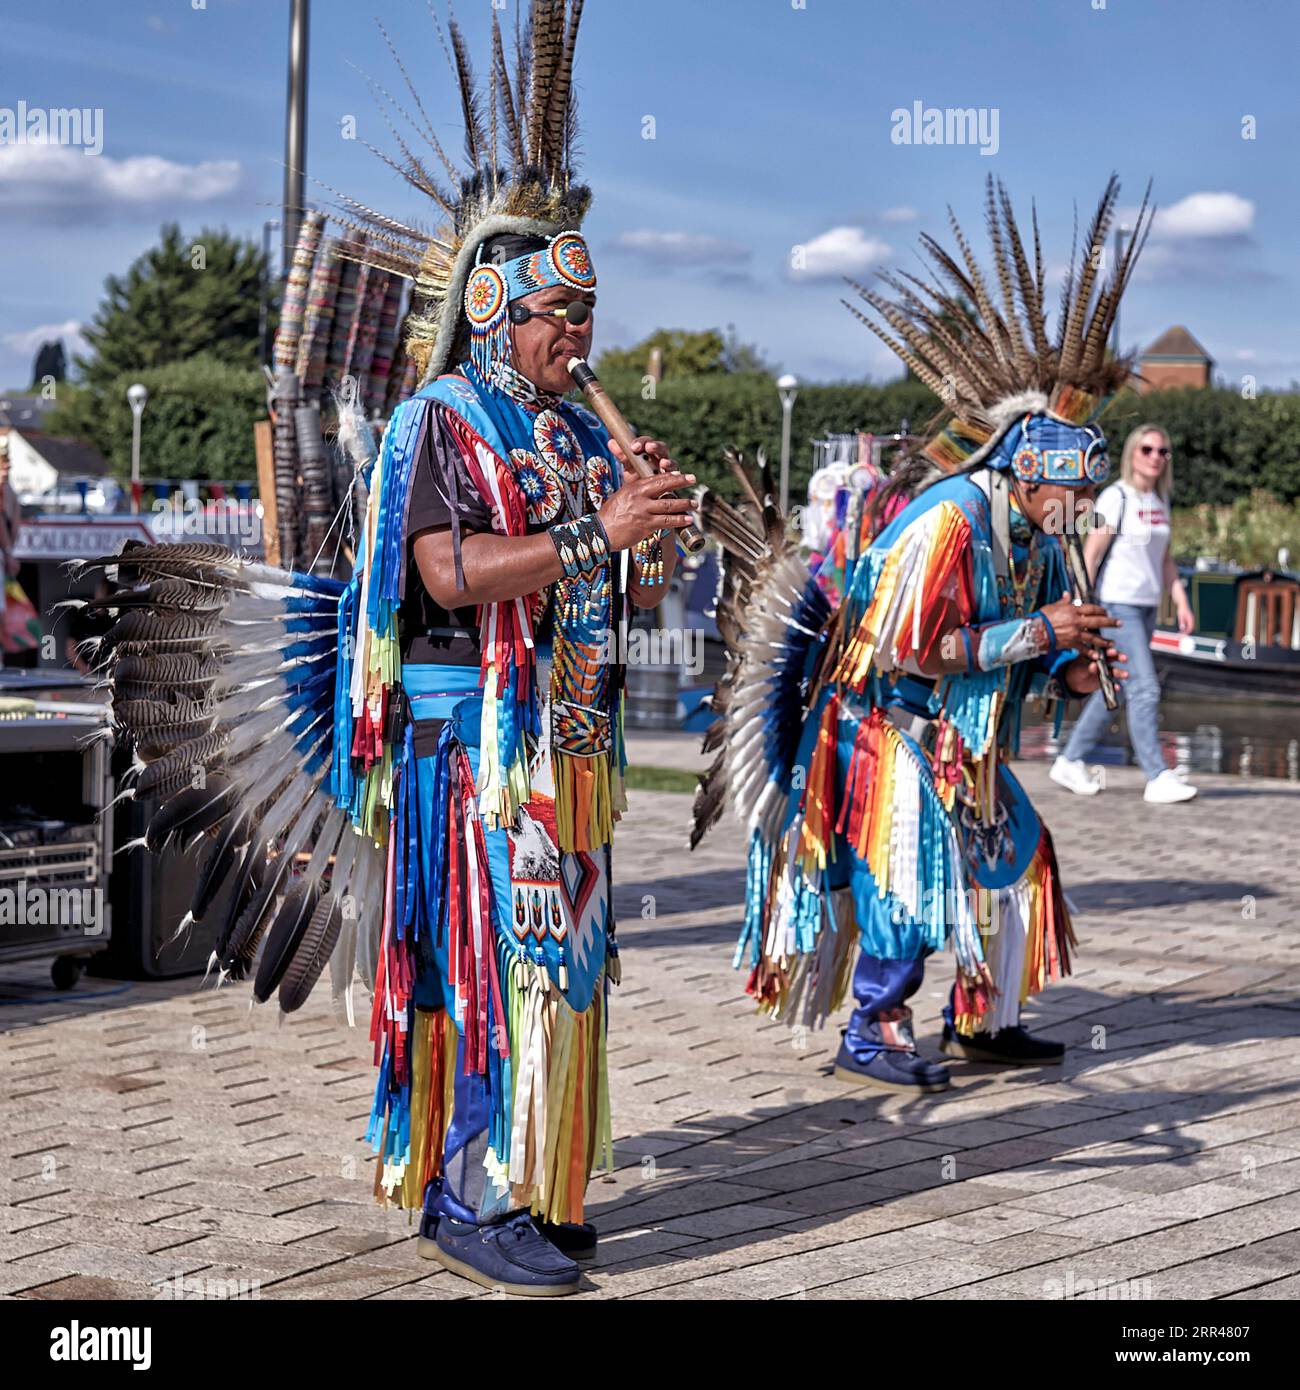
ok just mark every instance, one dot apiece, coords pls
pixel 1129 544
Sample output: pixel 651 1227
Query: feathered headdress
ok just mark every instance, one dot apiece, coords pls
pixel 520 134
pixel 987 353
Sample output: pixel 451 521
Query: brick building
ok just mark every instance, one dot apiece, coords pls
pixel 1174 359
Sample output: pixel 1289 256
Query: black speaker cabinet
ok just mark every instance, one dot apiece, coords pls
pixel 151 894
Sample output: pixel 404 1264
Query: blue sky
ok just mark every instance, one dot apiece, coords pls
pixel 772 131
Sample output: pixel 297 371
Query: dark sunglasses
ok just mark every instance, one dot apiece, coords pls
pixel 1151 449
pixel 575 313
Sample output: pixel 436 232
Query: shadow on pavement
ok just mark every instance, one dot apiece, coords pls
pixel 797 1167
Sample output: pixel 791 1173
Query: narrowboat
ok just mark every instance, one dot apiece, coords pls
pixel 1246 642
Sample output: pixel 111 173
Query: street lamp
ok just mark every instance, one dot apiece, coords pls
pixel 787 388
pixel 138 396
pixel 295 130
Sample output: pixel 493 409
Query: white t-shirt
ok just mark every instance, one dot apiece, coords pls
pixel 1134 570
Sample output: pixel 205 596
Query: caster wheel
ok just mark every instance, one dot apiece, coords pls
pixel 65 972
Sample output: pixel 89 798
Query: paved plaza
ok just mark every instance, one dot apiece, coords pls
pixel 161 1131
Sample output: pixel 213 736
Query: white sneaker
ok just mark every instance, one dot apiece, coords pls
pixel 1168 788
pixel 1073 775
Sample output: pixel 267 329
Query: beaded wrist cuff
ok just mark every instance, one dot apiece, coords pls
pixel 1017 639
pixel 582 545
pixel 649 557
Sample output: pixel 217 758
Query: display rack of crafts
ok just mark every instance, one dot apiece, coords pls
pixel 339 369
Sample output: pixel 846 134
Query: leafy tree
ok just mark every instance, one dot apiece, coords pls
pixel 685 353
pixel 742 357
pixel 198 422
pixel 183 321
pixel 51 361
pixel 183 297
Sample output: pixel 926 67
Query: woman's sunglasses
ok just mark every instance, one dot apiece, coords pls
pixel 1149 449
pixel 575 313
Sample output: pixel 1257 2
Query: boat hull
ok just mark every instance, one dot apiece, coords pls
pixel 1215 667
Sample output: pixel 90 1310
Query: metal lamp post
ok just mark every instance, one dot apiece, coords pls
pixel 295 131
pixel 787 388
pixel 138 397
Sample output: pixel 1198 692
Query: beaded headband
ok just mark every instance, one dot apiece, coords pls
pixel 1051 450
pixel 564 260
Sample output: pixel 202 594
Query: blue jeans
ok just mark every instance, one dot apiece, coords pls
pixel 1140 693
pixel 880 986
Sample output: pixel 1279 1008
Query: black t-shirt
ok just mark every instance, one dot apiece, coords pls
pixel 432 634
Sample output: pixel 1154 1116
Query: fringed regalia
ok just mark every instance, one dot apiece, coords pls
pixel 443 830
pixel 876 798
pixel 497 930
pixel 905 805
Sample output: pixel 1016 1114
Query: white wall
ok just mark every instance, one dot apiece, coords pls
pixel 28 471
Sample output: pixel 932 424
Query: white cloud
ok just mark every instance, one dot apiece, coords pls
pixel 1224 262
pixel 1205 215
pixel 839 251
pixel 27 340
pixel 899 214
pixel 680 248
pixel 56 183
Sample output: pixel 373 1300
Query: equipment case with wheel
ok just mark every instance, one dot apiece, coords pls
pixel 56 846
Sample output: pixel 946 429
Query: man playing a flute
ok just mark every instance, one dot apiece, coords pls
pixel 891 822
pixel 506 547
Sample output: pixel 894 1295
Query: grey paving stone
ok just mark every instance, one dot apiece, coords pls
pixel 725 1221
pixel 1078 1199
pixel 91 1288
pixel 1287 1289
pixel 343 1281
pixel 254 1259
pixel 1171 1156
pixel 1029 1250
pixel 266 1231
pixel 908 1281
pixel 439 1288
pixel 986 1225
pixel 794 1177
pixel 1210 1278
pixel 679 1201
pixel 99 1261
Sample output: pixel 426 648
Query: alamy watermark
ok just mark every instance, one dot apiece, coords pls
pixel 193 1286
pixel 1129 1290
pixel 81 126
pixel 946 125
pixel 31 905
pixel 178 515
pixel 951 906
pixel 682 647
pixel 73 1342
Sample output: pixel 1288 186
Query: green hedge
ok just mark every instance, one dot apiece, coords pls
pixel 198 422
pixel 699 416
pixel 1224 446
pixel 1249 532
